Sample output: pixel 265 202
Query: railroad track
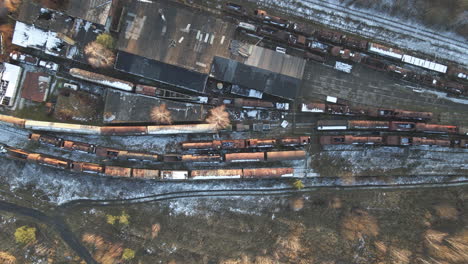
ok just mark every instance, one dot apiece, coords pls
pixel 183 194
pixel 366 148
pixel 392 26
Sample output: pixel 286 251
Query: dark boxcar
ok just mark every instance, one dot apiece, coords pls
pixel 43 139
pixel 233 144
pixel 402 126
pixel 296 141
pixel 107 152
pixel 79 146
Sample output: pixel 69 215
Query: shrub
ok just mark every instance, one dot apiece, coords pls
pixel 298 184
pixel 111 219
pixel 106 40
pixel 25 235
pixel 219 116
pixel 128 254
pixel 124 219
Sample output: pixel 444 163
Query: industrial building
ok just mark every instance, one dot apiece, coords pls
pixel 121 107
pixel 175 34
pixel 53 32
pixel 10 76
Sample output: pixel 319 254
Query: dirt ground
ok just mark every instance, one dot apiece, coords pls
pixel 324 226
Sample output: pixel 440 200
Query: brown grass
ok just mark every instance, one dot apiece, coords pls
pixel 264 260
pixel 6 258
pixel 7 31
pixel 12 5
pixel 444 247
pixel 446 211
pixel 219 117
pixel 400 256
pixel 357 224
pixel 155 230
pixel 381 247
pixel 335 203
pixel 244 259
pixel 161 115
pixel 297 203
pixel 99 56
pixel 104 252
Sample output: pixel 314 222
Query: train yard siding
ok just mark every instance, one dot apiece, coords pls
pixel 130 172
pixel 108 130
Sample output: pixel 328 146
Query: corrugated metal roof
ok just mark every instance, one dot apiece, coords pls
pixel 255 78
pixel 162 72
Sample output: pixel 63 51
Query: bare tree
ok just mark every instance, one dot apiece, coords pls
pixel 219 117
pixel 99 56
pixel 161 115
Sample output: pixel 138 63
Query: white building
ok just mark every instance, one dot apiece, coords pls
pixel 10 77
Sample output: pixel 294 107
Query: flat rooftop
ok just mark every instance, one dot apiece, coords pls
pixel 46 30
pixel 269 60
pixel 175 34
pixel 10 76
pixel 251 77
pixel 96 11
pixel 121 107
pixel 161 72
pixel 35 86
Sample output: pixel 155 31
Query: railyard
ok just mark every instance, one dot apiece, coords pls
pixel 167 80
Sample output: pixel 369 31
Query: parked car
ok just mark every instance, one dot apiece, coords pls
pixel 23 57
pixel 49 65
pixel 281 50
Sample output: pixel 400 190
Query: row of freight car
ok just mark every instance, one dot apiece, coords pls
pixel 114 171
pixel 340 44
pixel 224 144
pixel 247 143
pixel 391 141
pixel 385 125
pixel 302 32
pixel 167 94
pixel 317 51
pixel 108 130
pixel 343 109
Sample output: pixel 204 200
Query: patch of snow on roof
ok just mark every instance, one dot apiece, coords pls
pixel 28 36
